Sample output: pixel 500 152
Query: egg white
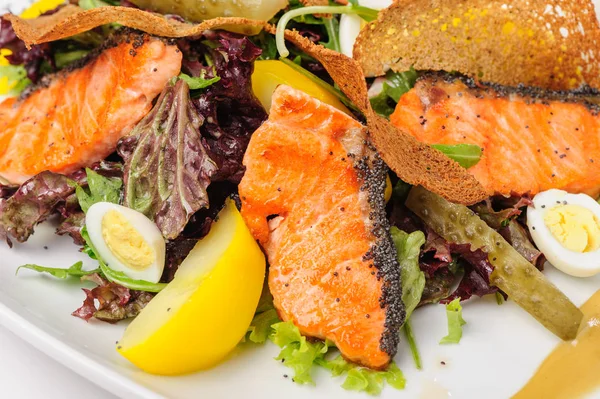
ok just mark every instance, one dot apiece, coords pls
pixel 350 24
pixel 570 262
pixel 144 226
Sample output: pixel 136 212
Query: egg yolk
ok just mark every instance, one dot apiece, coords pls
pixel 575 227
pixel 125 242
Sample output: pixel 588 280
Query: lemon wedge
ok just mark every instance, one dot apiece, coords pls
pixel 268 74
pixel 205 311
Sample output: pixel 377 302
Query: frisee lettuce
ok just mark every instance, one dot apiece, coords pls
pixel 455 322
pixel 303 356
pixel 74 271
pixel 100 189
pixel 466 155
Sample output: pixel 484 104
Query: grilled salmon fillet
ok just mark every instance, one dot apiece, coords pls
pixel 532 140
pixel 79 116
pixel 312 195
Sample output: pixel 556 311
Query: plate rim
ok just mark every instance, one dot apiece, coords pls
pixel 83 365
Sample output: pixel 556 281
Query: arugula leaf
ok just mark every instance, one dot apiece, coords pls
pixel 408 248
pixel 412 343
pixel 73 271
pixel 116 276
pixel 395 85
pixel 381 104
pixel 466 155
pixel 399 83
pixel 304 15
pixel 266 42
pixel 455 322
pixel 100 189
pixel 16 78
pixel 196 83
pixel 332 25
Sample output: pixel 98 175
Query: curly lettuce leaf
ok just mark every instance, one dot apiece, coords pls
pixel 100 189
pixel 455 322
pixel 408 247
pixel 168 171
pixel 466 155
pixel 74 271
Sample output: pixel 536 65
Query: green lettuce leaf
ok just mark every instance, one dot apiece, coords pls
pixel 455 322
pixel 298 353
pixel 17 78
pixel 116 276
pixel 73 271
pixel 408 247
pixel 372 381
pixel 196 83
pixel 100 189
pixel 261 326
pixel 395 85
pixel 466 155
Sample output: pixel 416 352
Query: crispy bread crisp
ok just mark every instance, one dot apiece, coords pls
pixel 551 44
pixel 414 162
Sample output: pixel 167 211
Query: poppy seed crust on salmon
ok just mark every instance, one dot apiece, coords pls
pixel 326 228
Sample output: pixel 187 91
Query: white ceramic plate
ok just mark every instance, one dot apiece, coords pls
pixel 501 347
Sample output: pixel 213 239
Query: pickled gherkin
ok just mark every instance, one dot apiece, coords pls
pixel 200 10
pixel 513 274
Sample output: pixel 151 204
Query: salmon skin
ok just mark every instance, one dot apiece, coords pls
pixel 77 117
pixel 313 196
pixel 533 140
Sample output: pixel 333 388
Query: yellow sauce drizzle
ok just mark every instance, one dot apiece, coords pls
pixel 572 370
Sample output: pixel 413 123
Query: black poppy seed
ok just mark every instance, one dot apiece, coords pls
pixel 45 247
pixel 567 148
pixel 443 127
pixel 343 159
pixel 553 175
pixel 479 116
pixel 564 202
pixel 119 347
pixel 285 376
pixel 278 188
pixel 293 380
pixel 561 156
pixel 335 274
pixel 533 227
pixel 538 150
pixel 342 209
pixel 287 284
pixel 373 273
pixel 551 113
pixel 443 363
pixel 543 206
pixel 558 202
pixel 577 129
pixel 282 360
pixel 155 70
pixel 494 259
pixel 498 243
pixel 556 151
pixel 591 160
pixel 330 152
pixel 116 342
pixel 368 316
pixel 348 268
pixel 337 299
pixel 458 117
pixel 168 309
pixel 526 126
